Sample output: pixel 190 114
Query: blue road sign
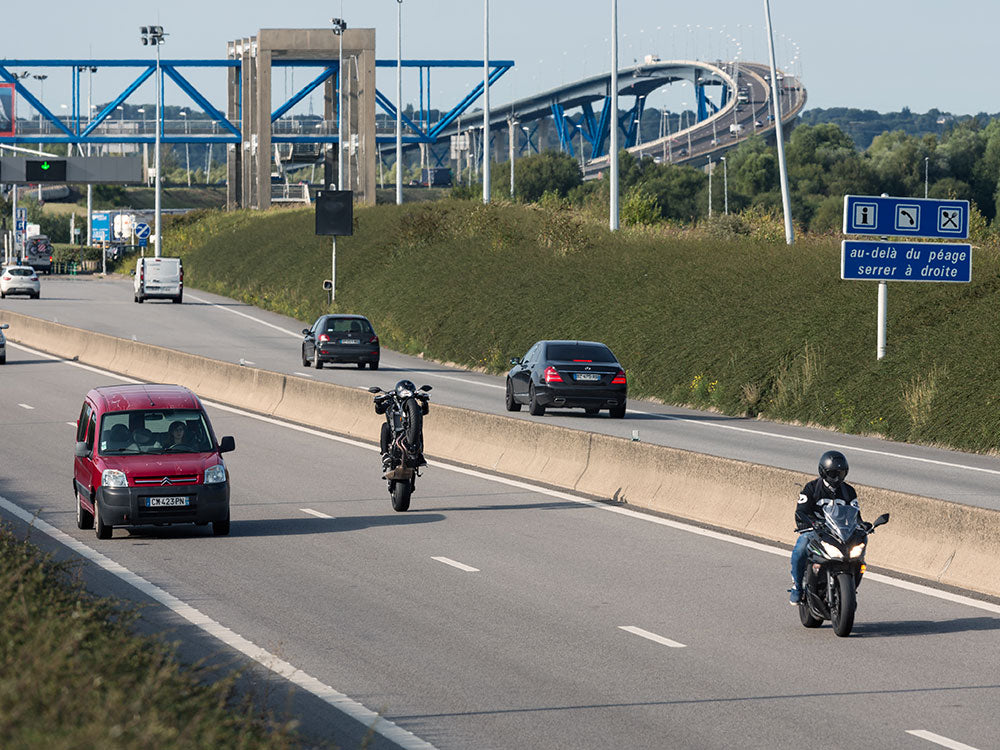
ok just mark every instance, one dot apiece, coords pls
pixel 906 217
pixel 100 227
pixel 905 261
pixel 142 231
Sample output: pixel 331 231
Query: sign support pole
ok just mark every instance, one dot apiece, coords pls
pixel 333 271
pixel 883 304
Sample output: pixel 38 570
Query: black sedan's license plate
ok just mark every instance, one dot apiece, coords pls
pixel 166 502
pixel 586 376
pixel 350 341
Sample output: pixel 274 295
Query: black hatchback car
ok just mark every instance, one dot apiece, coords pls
pixel 567 374
pixel 340 338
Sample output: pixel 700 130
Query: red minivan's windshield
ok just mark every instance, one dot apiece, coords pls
pixel 154 431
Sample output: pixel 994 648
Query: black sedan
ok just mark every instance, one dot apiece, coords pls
pixel 567 374
pixel 340 338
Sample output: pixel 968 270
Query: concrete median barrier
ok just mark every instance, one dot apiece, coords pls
pixel 931 539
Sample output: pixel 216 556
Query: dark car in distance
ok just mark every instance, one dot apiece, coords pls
pixel 340 339
pixel 567 374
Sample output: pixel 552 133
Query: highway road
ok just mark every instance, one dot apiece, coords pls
pixel 222 328
pixel 495 614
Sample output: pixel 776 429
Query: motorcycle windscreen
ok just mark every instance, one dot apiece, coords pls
pixel 842 520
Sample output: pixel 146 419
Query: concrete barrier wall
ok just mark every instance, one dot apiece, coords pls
pixel 932 539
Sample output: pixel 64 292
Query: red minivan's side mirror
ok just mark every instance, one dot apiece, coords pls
pixel 227 444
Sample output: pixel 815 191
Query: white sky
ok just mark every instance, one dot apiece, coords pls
pixel 876 54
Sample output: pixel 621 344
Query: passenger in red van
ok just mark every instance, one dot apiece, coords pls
pixel 131 478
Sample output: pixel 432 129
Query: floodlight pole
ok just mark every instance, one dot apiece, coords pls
pixel 776 98
pixel 399 102
pixel 613 148
pixel 486 101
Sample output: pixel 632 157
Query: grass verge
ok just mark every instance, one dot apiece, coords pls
pixel 73 674
pixel 740 325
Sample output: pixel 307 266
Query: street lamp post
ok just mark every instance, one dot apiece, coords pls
pixel 613 150
pixel 154 35
pixel 779 137
pixel 399 102
pixel 339 26
pixel 187 149
pixel 710 187
pixel 927 160
pixel 41 78
pixel 486 101
pixel 90 188
pixel 725 185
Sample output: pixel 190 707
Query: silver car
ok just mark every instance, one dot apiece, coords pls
pixel 3 345
pixel 20 280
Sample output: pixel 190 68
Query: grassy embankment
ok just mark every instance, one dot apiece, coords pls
pixel 731 323
pixel 73 674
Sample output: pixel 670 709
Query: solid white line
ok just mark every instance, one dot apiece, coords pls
pixel 937 739
pixel 280 667
pixel 71 424
pixel 244 315
pixel 316 513
pixel 26 406
pixel 651 636
pixel 559 495
pixel 811 441
pixel 452 563
pixel 303 374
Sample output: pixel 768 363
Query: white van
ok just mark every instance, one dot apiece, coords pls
pixel 158 278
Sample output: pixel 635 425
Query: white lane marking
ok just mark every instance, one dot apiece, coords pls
pixel 303 374
pixel 937 739
pixel 299 336
pixel 651 636
pixel 244 315
pixel 454 564
pixel 280 667
pixel 71 424
pixel 559 495
pixel 811 441
pixel 26 406
pixel 316 513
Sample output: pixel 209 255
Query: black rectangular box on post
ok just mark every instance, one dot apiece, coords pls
pixel 335 212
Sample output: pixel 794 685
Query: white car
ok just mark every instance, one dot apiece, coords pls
pixel 3 345
pixel 20 280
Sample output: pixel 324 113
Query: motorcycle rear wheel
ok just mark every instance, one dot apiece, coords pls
pixel 401 491
pixel 806 616
pixel 845 602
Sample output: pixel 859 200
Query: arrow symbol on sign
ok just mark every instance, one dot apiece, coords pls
pixel 45 165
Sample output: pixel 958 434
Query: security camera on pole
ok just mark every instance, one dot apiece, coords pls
pixel 154 35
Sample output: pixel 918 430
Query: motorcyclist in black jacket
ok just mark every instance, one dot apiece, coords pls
pixel 407 394
pixel 828 489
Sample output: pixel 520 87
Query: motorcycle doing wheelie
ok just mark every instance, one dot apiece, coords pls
pixel 835 564
pixel 402 439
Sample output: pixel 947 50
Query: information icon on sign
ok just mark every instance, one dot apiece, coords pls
pixel 908 218
pixel 864 215
pixel 950 220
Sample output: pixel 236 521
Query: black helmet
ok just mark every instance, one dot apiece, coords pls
pixel 405 388
pixel 833 467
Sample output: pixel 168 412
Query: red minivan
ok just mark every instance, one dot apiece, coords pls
pixel 146 454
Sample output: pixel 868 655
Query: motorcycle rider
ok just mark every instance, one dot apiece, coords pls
pixel 407 394
pixel 828 489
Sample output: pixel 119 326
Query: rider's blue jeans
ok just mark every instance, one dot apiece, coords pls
pixel 799 557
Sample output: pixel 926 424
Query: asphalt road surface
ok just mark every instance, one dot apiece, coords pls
pixel 494 614
pixel 222 328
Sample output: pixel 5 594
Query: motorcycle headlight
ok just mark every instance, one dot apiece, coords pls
pixel 857 549
pixel 832 552
pixel 113 478
pixel 215 475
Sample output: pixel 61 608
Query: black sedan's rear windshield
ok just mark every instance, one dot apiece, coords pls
pixel 579 353
pixel 348 326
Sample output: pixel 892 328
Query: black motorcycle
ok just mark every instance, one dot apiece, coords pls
pixel 836 563
pixel 402 439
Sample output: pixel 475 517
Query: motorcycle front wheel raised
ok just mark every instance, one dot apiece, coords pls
pixel 400 491
pixel 845 602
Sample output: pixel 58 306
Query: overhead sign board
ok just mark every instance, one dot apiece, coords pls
pixel 19 170
pixel 906 217
pixel 905 261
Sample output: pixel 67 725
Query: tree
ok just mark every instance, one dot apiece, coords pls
pixel 549 171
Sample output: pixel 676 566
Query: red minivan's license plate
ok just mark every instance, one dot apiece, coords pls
pixel 165 502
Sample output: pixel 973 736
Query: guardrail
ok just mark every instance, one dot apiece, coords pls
pixel 290 193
